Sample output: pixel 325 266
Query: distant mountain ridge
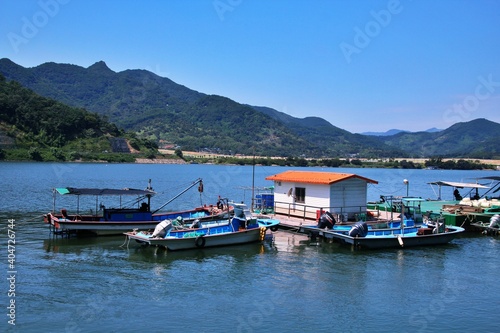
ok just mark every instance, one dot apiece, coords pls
pixel 161 110
pixel 477 138
pixel 386 133
pixel 397 131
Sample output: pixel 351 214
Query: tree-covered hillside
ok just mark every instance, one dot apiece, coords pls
pixel 331 138
pixel 161 110
pixel 35 127
pixel 477 138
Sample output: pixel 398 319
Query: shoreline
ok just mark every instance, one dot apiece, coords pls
pixel 196 156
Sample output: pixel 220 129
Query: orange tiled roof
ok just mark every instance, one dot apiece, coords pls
pixel 315 177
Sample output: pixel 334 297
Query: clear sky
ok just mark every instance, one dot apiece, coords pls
pixel 361 65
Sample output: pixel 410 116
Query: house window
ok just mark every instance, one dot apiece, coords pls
pixel 300 194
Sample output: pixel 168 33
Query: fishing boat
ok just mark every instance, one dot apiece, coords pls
pixel 476 204
pixel 491 228
pixel 137 214
pixel 396 238
pixel 404 233
pixel 240 229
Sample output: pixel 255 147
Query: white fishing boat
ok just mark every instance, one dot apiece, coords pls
pixel 398 234
pixel 240 229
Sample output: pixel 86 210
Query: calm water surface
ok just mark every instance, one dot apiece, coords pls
pixel 286 285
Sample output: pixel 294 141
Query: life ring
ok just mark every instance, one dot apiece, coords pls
pixel 274 228
pixel 200 241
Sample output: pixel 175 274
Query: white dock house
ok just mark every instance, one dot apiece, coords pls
pixel 308 194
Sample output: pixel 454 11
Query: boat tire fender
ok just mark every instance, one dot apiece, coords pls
pixel 199 241
pixel 274 228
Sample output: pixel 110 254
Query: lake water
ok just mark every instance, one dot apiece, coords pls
pixel 286 285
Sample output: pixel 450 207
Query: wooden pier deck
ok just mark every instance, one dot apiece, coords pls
pixel 290 222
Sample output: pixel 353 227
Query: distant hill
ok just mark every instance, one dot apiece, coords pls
pixel 397 131
pixel 165 112
pixel 387 133
pixel 323 134
pixel 478 138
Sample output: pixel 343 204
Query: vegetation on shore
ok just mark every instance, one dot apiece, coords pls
pixel 432 163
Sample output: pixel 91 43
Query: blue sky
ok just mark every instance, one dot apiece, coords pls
pixel 361 65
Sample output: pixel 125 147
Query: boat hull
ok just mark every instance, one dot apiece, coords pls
pixel 203 241
pixel 485 228
pixel 98 226
pixel 391 238
pixel 398 241
pixel 104 228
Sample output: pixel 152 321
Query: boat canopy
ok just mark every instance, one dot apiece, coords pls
pixel 412 199
pixel 102 191
pixel 457 184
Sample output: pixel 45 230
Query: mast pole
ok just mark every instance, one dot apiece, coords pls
pixel 178 195
pixel 253 180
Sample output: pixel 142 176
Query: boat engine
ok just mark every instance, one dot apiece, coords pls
pixel 434 226
pixel 360 229
pixel 326 220
pixel 162 229
pixel 495 221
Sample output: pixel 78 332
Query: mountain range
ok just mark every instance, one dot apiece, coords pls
pixel 161 110
pixel 396 131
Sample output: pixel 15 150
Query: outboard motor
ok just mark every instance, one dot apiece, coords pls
pixel 436 226
pixel 196 224
pixel 162 229
pixel 326 220
pixel 360 229
pixel 495 221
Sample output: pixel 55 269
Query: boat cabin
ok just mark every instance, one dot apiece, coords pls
pixel 141 213
pixel 308 194
pixel 472 189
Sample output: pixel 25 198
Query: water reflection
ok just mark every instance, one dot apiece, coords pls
pixel 290 241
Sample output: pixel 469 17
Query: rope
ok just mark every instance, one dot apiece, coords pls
pixel 388 193
pixel 33 219
pixel 127 241
pixel 30 220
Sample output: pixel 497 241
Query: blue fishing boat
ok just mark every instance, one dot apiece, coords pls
pixel 103 220
pixel 240 229
pixel 402 233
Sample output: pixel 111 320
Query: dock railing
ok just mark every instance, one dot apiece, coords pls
pixel 306 212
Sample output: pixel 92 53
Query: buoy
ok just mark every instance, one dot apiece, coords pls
pixel 400 240
pixel 262 233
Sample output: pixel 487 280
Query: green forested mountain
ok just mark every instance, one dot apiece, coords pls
pixel 328 137
pixel 45 129
pixel 479 138
pixel 160 109
pixel 166 112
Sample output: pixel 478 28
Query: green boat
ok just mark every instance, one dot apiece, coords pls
pixel 462 212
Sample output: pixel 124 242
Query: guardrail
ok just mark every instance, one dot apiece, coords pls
pixel 342 214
